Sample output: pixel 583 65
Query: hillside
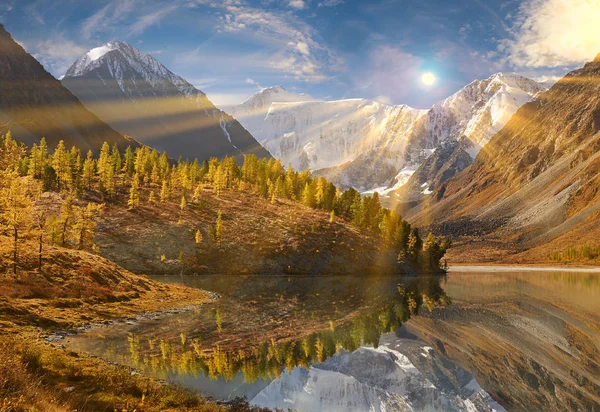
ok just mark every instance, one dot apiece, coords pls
pixel 135 93
pixel 34 105
pixel 535 190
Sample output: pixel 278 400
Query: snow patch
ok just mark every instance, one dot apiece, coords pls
pixel 98 52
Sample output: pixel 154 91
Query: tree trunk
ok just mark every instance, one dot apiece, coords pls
pixel 16 238
pixel 64 233
pixel 40 253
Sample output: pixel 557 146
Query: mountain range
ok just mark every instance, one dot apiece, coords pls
pixel 34 105
pixel 372 146
pixel 534 192
pixel 136 94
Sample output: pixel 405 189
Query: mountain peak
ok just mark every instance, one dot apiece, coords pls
pixel 118 56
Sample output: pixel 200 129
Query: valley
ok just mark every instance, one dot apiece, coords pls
pixel 411 224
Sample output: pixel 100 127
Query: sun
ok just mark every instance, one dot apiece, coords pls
pixel 428 78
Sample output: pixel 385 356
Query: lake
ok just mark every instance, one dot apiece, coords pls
pixel 476 339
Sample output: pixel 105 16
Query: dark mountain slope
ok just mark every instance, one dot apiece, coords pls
pixel 34 104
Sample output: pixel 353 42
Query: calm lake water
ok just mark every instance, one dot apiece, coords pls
pixel 467 341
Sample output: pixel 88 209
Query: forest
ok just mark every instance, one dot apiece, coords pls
pixel 31 176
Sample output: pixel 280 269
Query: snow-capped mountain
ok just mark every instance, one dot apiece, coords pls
pixel 369 145
pixel 400 375
pixel 314 134
pixel 135 93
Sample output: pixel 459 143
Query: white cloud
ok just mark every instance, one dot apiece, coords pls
pixel 554 33
pixel 57 54
pixel 295 48
pixel 112 16
pixel 330 3
pixel 107 17
pixel 253 82
pixel 150 19
pixel 297 4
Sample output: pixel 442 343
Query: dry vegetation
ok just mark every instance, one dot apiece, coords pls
pixel 38 376
pixel 259 236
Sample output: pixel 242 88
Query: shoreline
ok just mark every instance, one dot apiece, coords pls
pixel 491 268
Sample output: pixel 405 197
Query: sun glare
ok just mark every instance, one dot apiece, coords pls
pixel 428 78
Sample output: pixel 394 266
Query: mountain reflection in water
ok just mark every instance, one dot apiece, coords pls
pixel 342 340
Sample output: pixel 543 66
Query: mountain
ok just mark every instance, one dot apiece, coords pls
pixel 400 375
pixel 34 105
pixel 471 115
pixel 369 145
pixel 135 93
pixel 463 124
pixel 307 133
pixel 537 183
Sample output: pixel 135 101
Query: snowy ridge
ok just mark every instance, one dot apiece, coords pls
pixel 369 145
pixel 318 134
pixel 382 379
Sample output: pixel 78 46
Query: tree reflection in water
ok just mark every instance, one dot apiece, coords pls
pixel 270 359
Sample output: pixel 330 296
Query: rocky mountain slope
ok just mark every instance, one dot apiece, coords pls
pixel 136 94
pixel 34 105
pixel 369 145
pixel 472 116
pixel 538 180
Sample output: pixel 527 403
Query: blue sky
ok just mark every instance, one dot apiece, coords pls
pixel 330 49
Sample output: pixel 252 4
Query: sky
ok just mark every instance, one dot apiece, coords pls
pixel 330 49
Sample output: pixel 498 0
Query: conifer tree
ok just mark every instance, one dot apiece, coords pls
pixel 320 192
pixel 66 218
pixel 151 197
pixel 134 193
pixel 164 192
pixel 35 162
pixel 129 162
pixel 182 203
pixel 15 214
pixel 89 170
pixel 11 153
pixel 105 170
pixel 332 216
pixel 60 164
pixel 109 184
pixel 219 229
pixel 85 224
pixel 197 193
pixel 308 196
pixel 41 221
pixel 116 160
